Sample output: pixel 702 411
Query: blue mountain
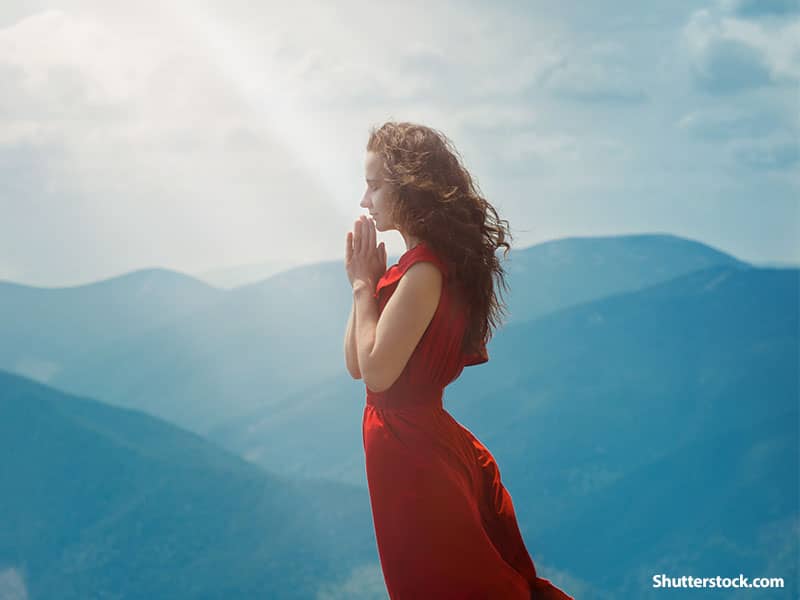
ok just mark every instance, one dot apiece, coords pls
pixel 101 502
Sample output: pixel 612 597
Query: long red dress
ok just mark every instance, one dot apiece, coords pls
pixel 444 523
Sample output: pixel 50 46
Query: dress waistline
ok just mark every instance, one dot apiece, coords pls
pixel 407 398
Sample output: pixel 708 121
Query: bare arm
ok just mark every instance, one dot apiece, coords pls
pixel 350 350
pixel 385 342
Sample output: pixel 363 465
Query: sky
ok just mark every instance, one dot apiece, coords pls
pixel 198 135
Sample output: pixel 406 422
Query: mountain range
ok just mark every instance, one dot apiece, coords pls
pixel 641 399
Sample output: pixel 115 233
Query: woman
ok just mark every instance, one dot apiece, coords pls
pixel 444 523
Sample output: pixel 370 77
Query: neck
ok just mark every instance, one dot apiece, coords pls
pixel 411 241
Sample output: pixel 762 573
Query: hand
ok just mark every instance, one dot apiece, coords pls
pixel 364 261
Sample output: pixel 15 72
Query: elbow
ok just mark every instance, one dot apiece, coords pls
pixel 376 388
pixel 372 378
pixel 379 376
pixel 351 364
pixel 377 382
pixel 373 384
pixel 354 371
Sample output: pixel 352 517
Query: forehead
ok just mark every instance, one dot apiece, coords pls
pixel 372 165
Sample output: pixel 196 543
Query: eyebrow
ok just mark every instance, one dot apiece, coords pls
pixel 372 180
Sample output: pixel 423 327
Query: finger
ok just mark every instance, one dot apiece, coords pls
pixel 373 232
pixel 362 222
pixel 357 236
pixel 348 246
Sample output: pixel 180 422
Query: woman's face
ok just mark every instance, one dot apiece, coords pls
pixel 379 196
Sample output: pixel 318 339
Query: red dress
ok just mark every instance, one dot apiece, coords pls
pixel 444 523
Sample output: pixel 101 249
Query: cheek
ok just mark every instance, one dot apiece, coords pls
pixel 383 201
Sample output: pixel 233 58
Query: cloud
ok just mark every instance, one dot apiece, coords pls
pixel 730 66
pixel 760 8
pixel 726 123
pixel 730 54
pixel 536 146
pixel 498 118
pixel 745 62
pixel 188 135
pixel 777 153
pixel 129 134
pixel 77 76
pixel 595 74
pixel 756 139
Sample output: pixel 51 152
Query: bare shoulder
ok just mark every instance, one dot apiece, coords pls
pixel 422 278
pixel 423 274
pixel 414 301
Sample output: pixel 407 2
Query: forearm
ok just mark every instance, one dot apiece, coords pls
pixel 350 352
pixel 366 322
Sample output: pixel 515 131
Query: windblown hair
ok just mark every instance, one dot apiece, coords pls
pixel 439 203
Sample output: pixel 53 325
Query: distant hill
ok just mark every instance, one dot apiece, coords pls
pixel 778 264
pixel 100 502
pixel 42 328
pixel 261 343
pixel 557 274
pixel 231 277
pixel 245 351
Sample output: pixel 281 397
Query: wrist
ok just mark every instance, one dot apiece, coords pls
pixel 362 286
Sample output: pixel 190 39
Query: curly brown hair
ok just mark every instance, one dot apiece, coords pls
pixel 438 202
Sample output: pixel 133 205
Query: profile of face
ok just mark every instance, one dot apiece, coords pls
pixel 379 196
